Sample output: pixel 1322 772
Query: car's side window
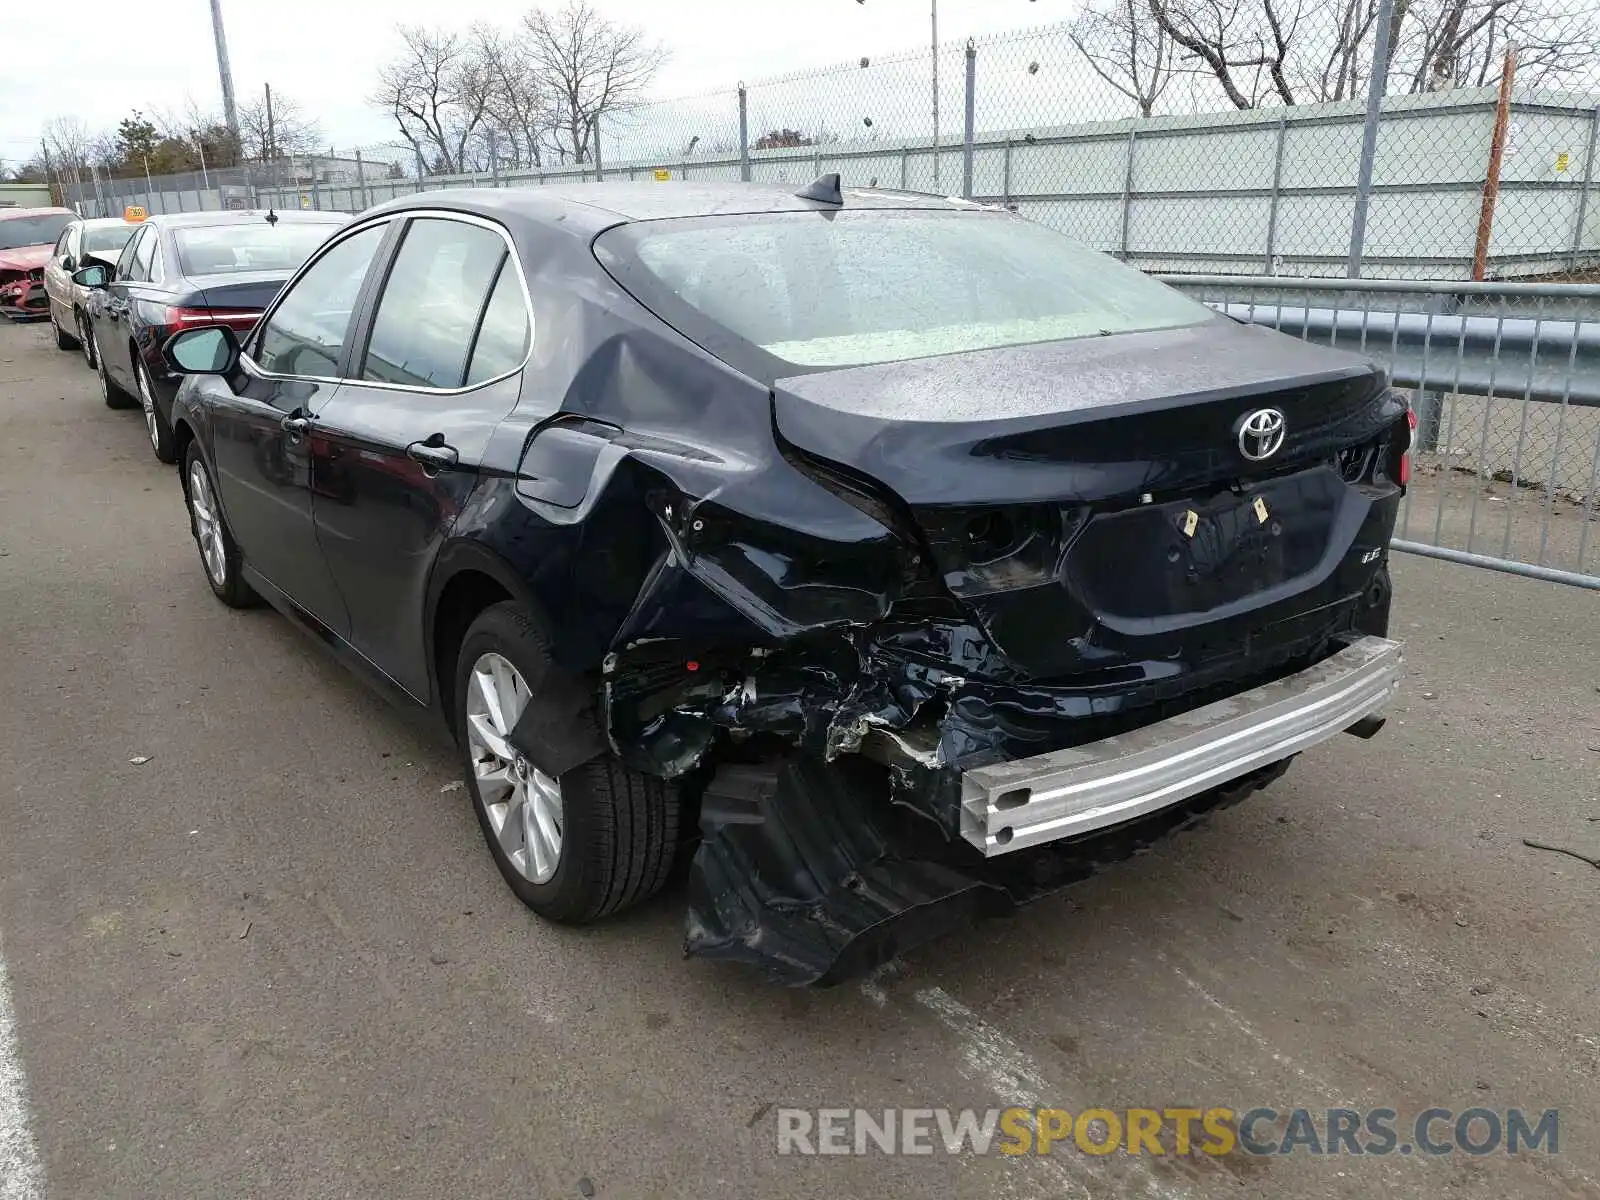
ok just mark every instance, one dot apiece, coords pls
pixel 432 303
pixel 75 243
pixel 63 243
pixel 125 261
pixel 305 334
pixel 502 341
pixel 143 250
pixel 156 272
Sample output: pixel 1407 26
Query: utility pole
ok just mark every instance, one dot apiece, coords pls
pixel 230 110
pixel 49 191
pixel 270 150
pixel 200 145
pixel 935 15
pixel 1376 86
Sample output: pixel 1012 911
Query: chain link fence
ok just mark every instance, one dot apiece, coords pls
pixel 1026 119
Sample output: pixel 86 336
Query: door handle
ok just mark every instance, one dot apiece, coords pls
pixel 295 426
pixel 433 454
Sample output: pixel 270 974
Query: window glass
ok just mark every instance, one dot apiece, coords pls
pixel 125 263
pixel 248 246
pixel 16 232
pixel 143 251
pixel 503 337
pixel 305 334
pixel 432 302
pixel 107 240
pixel 875 286
pixel 63 244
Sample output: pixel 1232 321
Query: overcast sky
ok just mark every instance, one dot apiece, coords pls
pixel 110 56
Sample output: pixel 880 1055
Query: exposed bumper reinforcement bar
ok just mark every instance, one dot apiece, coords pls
pixel 1066 793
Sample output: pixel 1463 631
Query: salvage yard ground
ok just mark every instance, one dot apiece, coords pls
pixel 274 959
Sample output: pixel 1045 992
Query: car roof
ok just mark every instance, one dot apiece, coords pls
pixel 588 208
pixel 103 222
pixel 7 214
pixel 241 217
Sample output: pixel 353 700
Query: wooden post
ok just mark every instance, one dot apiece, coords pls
pixel 1497 149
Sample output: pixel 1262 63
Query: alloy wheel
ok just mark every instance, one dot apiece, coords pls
pixel 100 370
pixel 147 401
pixel 207 524
pixel 523 804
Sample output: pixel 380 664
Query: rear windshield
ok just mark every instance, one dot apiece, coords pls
pixel 98 239
pixel 842 289
pixel 257 246
pixel 16 232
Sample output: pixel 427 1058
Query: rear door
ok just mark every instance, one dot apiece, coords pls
pixel 264 435
pixel 438 367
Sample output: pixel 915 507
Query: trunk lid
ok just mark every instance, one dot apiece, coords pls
pixel 239 290
pixel 1090 502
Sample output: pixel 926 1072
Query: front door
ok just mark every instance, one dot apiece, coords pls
pixel 438 369
pixel 58 277
pixel 112 313
pixel 265 435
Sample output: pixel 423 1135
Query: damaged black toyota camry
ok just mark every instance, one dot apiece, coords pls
pixel 892 559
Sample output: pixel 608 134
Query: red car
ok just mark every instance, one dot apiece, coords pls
pixel 26 238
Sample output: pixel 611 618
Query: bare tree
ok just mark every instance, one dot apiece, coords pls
pixel 1243 44
pixel 518 110
pixel 1462 42
pixel 68 141
pixel 292 132
pixel 1130 52
pixel 1286 51
pixel 437 93
pixel 590 66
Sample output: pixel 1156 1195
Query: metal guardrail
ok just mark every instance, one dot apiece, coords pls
pixel 1505 379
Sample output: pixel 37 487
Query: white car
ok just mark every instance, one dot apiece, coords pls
pixel 98 239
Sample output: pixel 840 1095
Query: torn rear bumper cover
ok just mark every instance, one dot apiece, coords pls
pixel 807 871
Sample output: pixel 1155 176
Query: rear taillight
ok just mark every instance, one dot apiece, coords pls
pixel 1405 458
pixel 242 320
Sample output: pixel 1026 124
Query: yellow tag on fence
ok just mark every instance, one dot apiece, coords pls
pixel 663 175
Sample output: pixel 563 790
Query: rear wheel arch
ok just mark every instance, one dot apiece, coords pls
pixel 467 578
pixel 182 435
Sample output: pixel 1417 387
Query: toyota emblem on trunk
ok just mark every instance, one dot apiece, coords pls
pixel 1261 434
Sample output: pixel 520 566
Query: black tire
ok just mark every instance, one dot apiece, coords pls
pixel 64 341
pixel 230 588
pixel 620 828
pixel 110 392
pixel 160 429
pixel 86 340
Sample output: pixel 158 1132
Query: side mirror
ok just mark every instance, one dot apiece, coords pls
pixel 211 350
pixel 94 276
pixel 69 263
